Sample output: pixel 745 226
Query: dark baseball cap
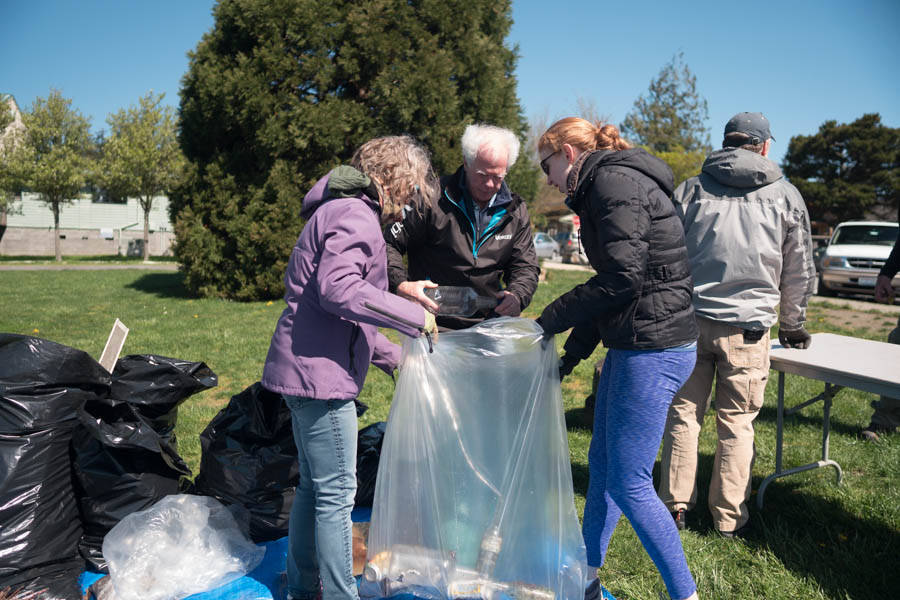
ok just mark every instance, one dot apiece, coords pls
pixel 753 124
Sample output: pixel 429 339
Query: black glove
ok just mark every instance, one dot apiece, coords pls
pixel 794 338
pixel 566 364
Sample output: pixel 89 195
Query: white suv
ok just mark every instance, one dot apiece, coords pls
pixel 855 254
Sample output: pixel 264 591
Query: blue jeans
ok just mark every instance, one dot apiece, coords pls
pixel 630 408
pixel 320 533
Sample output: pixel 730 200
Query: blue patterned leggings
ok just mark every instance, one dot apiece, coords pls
pixel 633 397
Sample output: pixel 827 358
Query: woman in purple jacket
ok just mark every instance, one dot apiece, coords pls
pixel 336 294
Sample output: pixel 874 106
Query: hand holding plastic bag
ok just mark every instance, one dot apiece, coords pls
pixel 182 545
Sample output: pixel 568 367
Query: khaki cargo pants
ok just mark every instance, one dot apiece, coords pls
pixel 741 370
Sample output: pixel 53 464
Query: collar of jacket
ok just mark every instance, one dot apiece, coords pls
pixel 583 165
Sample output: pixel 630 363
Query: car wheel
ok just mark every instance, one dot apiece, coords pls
pixel 823 289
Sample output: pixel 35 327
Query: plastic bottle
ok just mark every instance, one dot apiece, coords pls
pixel 487 553
pixel 405 567
pixel 459 301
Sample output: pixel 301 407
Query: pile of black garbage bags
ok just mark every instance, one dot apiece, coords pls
pixel 81 448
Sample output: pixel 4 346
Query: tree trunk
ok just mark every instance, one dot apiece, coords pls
pixel 146 206
pixel 56 231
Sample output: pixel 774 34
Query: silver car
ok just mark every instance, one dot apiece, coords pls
pixel 856 252
pixel 546 247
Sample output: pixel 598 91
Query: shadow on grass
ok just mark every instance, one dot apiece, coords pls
pixel 769 414
pixel 848 555
pixel 162 285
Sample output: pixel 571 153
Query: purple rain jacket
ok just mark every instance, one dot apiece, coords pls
pixel 336 295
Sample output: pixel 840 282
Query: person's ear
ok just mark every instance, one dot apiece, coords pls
pixel 766 145
pixel 571 152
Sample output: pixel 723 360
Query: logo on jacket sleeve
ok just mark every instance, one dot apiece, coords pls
pixel 507 236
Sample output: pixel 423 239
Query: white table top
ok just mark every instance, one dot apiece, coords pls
pixel 841 360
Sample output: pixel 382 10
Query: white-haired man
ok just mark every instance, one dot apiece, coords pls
pixel 477 234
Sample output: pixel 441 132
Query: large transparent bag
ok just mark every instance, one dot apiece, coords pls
pixel 474 492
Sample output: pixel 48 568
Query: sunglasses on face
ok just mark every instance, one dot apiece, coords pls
pixel 544 166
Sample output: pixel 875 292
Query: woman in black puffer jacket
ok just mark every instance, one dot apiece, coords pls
pixel 639 305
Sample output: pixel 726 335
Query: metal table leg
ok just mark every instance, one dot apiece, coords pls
pixel 826 397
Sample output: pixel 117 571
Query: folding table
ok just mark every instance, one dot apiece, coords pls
pixel 839 361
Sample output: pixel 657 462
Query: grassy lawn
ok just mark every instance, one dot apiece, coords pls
pixel 814 539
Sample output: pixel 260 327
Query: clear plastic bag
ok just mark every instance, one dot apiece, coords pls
pixel 181 545
pixel 474 493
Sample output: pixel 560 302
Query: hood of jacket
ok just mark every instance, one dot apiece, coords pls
pixel 740 168
pixel 634 158
pixel 340 182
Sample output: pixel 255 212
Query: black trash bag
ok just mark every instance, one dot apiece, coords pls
pixel 42 386
pixel 368 452
pixel 156 385
pixel 122 465
pixel 125 453
pixel 248 457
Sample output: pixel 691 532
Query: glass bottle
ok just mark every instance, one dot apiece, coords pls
pixel 459 301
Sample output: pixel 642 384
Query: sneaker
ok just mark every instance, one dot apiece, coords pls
pixel 595 591
pixel 678 516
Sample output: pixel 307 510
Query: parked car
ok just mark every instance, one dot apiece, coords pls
pixel 545 246
pixel 570 248
pixel 855 253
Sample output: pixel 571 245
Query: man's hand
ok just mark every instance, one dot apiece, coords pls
pixel 509 305
pixel 415 291
pixel 884 291
pixel 794 338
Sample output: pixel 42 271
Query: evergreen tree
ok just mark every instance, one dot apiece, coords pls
pixel 281 91
pixel 54 156
pixel 847 171
pixel 141 157
pixel 672 116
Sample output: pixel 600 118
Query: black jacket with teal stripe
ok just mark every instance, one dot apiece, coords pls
pixel 441 244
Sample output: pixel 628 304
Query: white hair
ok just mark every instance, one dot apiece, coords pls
pixel 498 139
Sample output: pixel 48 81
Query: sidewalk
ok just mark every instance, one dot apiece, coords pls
pixel 146 266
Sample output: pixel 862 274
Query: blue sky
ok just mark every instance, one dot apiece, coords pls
pixel 800 62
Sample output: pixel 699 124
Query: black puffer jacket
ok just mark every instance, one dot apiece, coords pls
pixel 640 297
pixel 440 242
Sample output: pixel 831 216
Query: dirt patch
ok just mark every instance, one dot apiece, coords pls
pixel 879 324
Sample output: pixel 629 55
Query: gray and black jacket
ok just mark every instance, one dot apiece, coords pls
pixel 748 237
pixel 442 244
pixel 640 297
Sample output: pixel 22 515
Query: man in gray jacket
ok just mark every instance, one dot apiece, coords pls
pixel 748 240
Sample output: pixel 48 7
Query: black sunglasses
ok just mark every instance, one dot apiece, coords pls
pixel 544 166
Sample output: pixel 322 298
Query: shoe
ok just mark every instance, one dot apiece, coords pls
pixel 740 532
pixel 595 591
pixel 679 517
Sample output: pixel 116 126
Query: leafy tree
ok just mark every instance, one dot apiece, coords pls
pixel 683 164
pixel 141 157
pixel 847 171
pixel 53 159
pixel 281 91
pixel 672 114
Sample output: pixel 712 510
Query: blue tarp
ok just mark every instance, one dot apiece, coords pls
pixel 263 583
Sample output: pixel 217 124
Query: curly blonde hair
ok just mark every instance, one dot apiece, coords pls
pixel 401 170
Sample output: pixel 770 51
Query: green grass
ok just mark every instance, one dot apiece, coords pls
pixel 814 539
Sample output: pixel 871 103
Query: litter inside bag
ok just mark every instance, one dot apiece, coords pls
pixel 474 493
pixel 180 546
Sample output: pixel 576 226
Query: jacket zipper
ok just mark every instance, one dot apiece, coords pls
pixel 487 232
pixel 353 337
